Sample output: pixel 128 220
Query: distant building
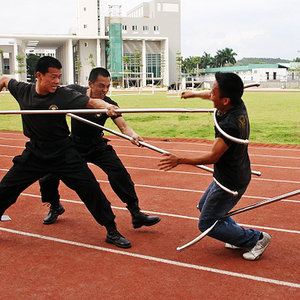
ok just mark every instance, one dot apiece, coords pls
pixel 147 39
pixel 268 75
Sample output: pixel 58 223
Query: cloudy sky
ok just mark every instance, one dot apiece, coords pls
pixel 252 28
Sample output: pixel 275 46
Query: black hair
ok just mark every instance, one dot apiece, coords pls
pixel 96 72
pixel 231 86
pixel 46 62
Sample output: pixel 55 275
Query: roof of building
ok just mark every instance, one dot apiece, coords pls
pixel 244 68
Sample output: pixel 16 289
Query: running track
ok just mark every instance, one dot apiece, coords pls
pixel 70 260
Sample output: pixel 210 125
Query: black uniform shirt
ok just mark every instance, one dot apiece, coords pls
pixel 45 127
pixel 233 168
pixel 86 131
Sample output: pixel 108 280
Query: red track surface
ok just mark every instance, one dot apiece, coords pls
pixel 70 259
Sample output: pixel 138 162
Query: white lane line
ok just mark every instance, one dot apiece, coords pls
pixel 183 190
pixel 208 174
pixel 172 215
pixel 10 146
pixel 14 139
pixel 155 259
pixel 204 151
pixel 159 157
pixel 114 139
pixel 117 139
pixel 190 190
pixel 181 150
pixel 170 141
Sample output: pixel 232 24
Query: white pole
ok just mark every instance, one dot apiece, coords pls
pixel 93 111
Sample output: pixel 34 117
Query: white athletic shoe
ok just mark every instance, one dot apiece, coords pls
pixel 232 247
pixel 256 252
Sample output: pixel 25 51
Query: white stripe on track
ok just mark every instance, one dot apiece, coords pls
pixel 273 147
pixel 208 174
pixel 158 157
pixel 205 151
pixel 174 215
pixel 155 259
pixel 114 138
pixel 183 190
pixel 181 150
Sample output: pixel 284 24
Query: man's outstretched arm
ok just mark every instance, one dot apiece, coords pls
pixel 4 82
pixel 170 161
pixel 126 129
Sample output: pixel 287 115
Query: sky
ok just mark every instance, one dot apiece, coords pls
pixel 252 28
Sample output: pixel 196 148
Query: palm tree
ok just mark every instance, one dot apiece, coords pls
pixel 225 56
pixel 196 63
pixel 205 60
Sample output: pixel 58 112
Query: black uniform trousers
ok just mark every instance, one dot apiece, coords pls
pixel 98 152
pixel 63 160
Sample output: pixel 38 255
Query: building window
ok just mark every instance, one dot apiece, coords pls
pixel 274 75
pixel 84 9
pixel 268 75
pixel 84 26
pixel 132 65
pixel 86 44
pixel 145 28
pixel 134 28
pixel 124 27
pixel 153 65
pixel 156 29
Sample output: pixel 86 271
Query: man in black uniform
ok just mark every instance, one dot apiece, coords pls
pixel 50 149
pixel 93 147
pixel 231 167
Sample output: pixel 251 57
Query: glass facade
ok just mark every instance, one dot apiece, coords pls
pixel 153 64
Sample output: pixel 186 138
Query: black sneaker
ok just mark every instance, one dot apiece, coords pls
pixel 54 212
pixel 114 237
pixel 141 219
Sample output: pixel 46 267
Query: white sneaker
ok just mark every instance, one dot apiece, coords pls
pixel 256 252
pixel 232 247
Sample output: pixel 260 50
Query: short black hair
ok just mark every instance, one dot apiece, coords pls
pixel 96 72
pixel 46 62
pixel 231 86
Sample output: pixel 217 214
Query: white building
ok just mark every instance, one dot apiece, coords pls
pixel 151 29
pixel 268 75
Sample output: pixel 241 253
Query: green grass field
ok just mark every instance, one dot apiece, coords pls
pixel 274 116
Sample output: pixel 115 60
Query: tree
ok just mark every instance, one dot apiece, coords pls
pixel 1 61
pixel 187 65
pixel 162 64
pixel 91 59
pixel 137 63
pixel 197 64
pixel 126 63
pixel 21 64
pixel 225 56
pixel 179 61
pixel 137 60
pixel 206 60
pixel 78 66
pixel 31 61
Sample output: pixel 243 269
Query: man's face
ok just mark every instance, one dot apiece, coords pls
pixel 48 82
pixel 100 87
pixel 215 97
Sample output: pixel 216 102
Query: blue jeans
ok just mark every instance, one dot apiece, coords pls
pixel 216 203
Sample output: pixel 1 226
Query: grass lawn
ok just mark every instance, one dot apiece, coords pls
pixel 274 116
